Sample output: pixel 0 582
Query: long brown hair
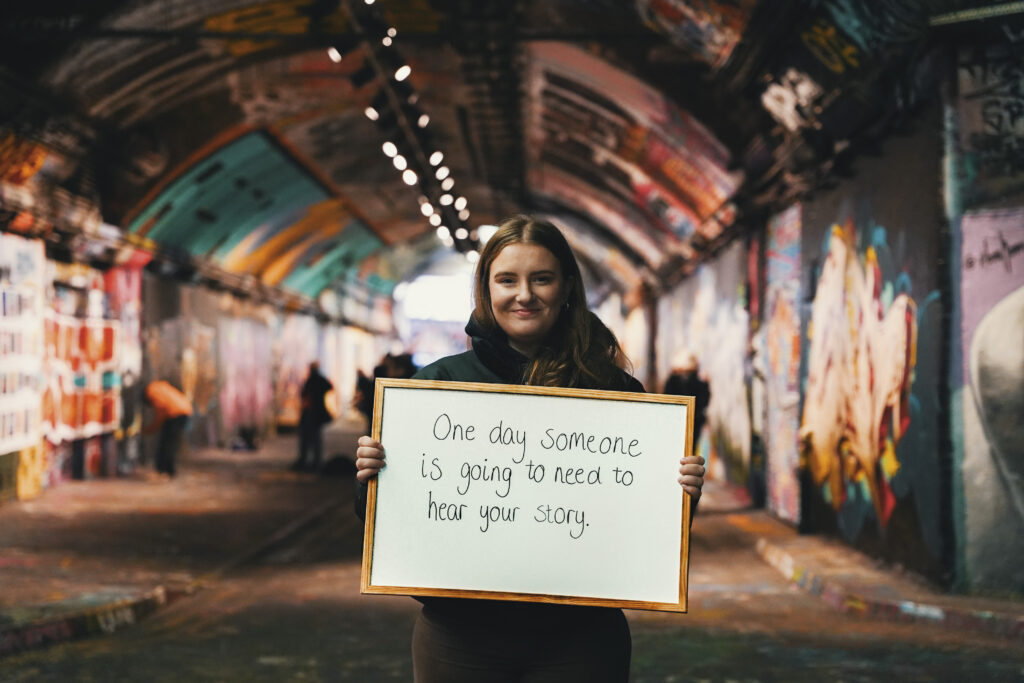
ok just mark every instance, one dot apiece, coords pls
pixel 580 351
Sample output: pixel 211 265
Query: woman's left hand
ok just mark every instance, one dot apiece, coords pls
pixel 691 475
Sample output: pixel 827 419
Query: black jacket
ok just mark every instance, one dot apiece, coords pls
pixel 493 361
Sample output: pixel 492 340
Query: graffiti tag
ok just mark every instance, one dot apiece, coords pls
pixel 1001 253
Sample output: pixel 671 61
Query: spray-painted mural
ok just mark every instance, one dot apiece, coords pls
pixel 863 344
pixel 707 314
pixel 781 360
pixel 298 343
pixel 992 333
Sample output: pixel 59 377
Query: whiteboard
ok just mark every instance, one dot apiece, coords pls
pixel 529 493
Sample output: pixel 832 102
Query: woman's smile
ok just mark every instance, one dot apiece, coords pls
pixel 527 293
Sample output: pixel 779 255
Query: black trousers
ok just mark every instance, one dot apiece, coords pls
pixel 169 443
pixel 311 442
pixel 596 652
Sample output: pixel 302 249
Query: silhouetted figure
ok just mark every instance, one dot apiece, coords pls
pixel 685 380
pixel 171 410
pixel 312 419
pixel 398 366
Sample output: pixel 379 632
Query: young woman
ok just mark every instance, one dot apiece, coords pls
pixel 530 325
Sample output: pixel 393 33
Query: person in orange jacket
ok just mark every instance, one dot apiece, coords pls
pixel 171 411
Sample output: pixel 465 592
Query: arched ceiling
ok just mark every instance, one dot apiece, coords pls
pixel 223 135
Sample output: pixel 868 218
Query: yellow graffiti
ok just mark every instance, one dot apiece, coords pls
pixel 20 159
pixel 283 17
pixel 830 47
pixel 859 375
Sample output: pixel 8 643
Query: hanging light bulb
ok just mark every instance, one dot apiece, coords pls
pixel 443 232
pixel 371 113
pixel 400 162
pixel 464 215
pixel 423 121
pixel 386 41
pixel 442 173
pixel 333 53
pixel 446 199
pixel 436 158
pixel 460 203
pixel 409 176
pixel 390 148
pixel 448 183
pixel 392 32
pixel 461 234
pixel 403 72
pixel 435 219
pixel 472 255
pixel 426 209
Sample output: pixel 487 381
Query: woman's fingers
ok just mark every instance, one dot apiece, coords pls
pixel 691 475
pixel 369 458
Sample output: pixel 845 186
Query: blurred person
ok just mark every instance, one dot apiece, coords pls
pixel 312 418
pixel 171 412
pixel 685 380
pixel 530 326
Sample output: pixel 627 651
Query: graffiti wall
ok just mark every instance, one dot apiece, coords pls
pixel 872 357
pixel 707 314
pixel 779 357
pixel 992 337
pixel 298 342
pixel 984 195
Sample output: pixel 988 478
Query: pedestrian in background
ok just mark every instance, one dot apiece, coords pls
pixel 530 325
pixel 685 380
pixel 312 418
pixel 171 411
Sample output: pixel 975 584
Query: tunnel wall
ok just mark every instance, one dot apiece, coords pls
pixel 707 314
pixel 872 316
pixel 984 192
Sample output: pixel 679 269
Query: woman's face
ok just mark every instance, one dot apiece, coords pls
pixel 527 291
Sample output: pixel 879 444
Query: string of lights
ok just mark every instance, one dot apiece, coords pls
pixel 408 140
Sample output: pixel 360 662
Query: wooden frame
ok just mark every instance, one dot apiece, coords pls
pixel 369 587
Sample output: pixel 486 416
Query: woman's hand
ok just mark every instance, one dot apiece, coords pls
pixel 370 458
pixel 691 475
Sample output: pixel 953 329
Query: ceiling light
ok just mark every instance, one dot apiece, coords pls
pixel 400 162
pixel 446 199
pixel 333 53
pixel 460 203
pixel 472 256
pixel 442 173
pixel 371 113
pixel 435 219
pixel 386 41
pixel 442 232
pixel 409 176
pixel 436 158
pixel 423 121
pixel 368 2
pixel 390 148
pixel 403 72
pixel 461 234
pixel 448 183
pixel 392 32
pixel 464 215
pixel 426 209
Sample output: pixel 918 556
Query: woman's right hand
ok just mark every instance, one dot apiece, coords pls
pixel 369 458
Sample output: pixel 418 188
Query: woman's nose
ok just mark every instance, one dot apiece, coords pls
pixel 525 293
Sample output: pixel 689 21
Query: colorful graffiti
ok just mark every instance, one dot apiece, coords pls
pixel 863 342
pixel 711 30
pixel 782 363
pixel 298 343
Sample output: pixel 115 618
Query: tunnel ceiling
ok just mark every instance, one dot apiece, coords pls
pixel 227 138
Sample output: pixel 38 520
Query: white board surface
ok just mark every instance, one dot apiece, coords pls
pixel 553 497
